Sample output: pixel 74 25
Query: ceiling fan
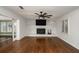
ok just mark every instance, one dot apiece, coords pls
pixel 43 15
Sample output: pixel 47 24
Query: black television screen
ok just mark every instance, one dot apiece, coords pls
pixel 40 22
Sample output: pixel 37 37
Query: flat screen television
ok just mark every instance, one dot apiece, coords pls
pixel 40 22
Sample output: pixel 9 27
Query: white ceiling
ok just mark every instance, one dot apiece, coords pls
pixel 29 11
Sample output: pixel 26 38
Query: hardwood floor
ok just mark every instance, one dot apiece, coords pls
pixel 39 45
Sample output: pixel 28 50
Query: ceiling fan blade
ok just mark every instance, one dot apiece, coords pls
pixel 36 13
pixel 49 15
pixel 44 13
pixel 21 7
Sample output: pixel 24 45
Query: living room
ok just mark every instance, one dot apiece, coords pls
pixel 42 23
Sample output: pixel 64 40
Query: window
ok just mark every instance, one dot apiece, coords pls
pixel 65 26
pixel 5 27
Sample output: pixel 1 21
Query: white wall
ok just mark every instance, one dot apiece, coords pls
pixel 73 28
pixel 12 14
pixel 31 27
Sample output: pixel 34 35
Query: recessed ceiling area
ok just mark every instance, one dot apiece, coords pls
pixel 28 11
